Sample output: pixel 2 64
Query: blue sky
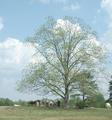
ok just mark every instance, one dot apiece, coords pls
pixel 20 18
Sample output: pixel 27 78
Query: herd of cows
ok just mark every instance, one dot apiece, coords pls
pixel 45 103
pixel 51 103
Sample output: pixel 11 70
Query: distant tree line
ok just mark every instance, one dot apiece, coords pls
pixel 6 102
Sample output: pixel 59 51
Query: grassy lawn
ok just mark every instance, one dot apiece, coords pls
pixel 33 113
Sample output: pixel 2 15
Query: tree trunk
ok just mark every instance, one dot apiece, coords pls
pixel 83 98
pixel 66 99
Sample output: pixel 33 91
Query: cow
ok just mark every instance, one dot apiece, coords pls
pixel 108 105
pixel 34 103
pixel 16 105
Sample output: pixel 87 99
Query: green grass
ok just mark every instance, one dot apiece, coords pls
pixel 34 113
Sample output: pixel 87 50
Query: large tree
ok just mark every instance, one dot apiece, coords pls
pixel 67 48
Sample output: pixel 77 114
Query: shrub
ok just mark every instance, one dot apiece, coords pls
pixel 80 105
pixel 96 101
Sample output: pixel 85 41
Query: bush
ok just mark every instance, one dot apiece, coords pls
pixel 73 101
pixel 97 101
pixel 80 105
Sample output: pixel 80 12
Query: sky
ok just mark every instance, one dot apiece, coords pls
pixel 20 18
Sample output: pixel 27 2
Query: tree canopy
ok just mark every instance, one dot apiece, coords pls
pixel 67 48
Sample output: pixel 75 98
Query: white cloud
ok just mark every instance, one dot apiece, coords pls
pixel 12 51
pixel 14 56
pixel 1 24
pixel 67 25
pixel 72 7
pixel 106 5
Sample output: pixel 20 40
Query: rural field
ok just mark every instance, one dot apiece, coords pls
pixel 33 113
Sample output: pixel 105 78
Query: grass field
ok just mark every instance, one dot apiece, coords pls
pixel 33 113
